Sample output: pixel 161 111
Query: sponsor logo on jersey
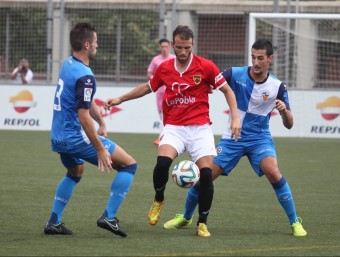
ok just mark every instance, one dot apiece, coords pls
pixel 197 79
pixel 179 88
pixel 240 83
pixel 181 99
pixel 87 94
pixel 88 82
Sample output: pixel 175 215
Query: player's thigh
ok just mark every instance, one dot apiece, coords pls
pixel 120 158
pixel 172 141
pixel 88 152
pixel 216 171
pixel 201 143
pixel 270 168
pixel 74 165
pixel 229 154
pixel 258 151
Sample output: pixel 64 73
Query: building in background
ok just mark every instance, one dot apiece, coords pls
pixel 130 30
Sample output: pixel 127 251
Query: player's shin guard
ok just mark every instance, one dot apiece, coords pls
pixel 119 189
pixel 161 176
pixel 205 194
pixel 191 202
pixel 62 196
pixel 284 195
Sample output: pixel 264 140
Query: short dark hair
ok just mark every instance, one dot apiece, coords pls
pixel 163 40
pixel 184 32
pixel 264 44
pixel 81 33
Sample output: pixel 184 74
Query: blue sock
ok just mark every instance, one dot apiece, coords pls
pixel 191 203
pixel 284 195
pixel 119 188
pixel 62 196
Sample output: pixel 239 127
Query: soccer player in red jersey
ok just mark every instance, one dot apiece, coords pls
pixel 188 80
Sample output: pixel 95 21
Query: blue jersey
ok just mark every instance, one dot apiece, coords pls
pixel 76 88
pixel 255 101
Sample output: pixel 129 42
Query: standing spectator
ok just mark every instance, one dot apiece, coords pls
pixel 75 138
pixel 164 47
pixel 22 74
pixel 188 79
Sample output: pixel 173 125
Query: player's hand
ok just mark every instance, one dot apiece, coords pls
pixel 280 106
pixel 101 131
pixel 235 129
pixel 111 102
pixel 104 160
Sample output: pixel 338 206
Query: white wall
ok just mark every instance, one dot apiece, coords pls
pixel 30 108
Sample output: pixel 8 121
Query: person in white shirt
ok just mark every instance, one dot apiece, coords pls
pixel 22 74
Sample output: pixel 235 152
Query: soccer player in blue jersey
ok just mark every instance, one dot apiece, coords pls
pixel 257 92
pixel 75 138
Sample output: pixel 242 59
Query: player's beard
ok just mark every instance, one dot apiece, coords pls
pixel 181 60
pixel 92 54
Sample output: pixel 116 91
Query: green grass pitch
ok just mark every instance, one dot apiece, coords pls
pixel 245 220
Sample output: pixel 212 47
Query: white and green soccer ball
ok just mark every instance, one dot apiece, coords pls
pixel 185 174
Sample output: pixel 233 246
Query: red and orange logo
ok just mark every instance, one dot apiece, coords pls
pixel 22 101
pixel 104 112
pixel 330 108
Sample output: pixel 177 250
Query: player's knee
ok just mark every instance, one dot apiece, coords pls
pixel 206 178
pixel 129 169
pixel 74 178
pixel 163 163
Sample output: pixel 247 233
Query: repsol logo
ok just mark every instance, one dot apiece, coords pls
pixel 325 130
pixel 22 122
pixel 181 101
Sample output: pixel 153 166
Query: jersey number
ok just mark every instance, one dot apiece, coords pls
pixel 57 103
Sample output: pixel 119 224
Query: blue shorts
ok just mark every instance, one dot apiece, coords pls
pixel 85 152
pixel 229 153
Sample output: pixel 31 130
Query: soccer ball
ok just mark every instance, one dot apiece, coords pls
pixel 185 174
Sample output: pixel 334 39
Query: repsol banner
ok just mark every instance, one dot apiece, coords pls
pixel 316 113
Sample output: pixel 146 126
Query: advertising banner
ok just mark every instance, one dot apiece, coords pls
pixel 316 113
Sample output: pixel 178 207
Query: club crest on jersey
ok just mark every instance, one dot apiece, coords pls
pixel 87 94
pixel 197 79
pixel 265 96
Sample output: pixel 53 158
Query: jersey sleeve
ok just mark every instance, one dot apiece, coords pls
pixel 215 73
pixel 85 89
pixel 156 81
pixel 283 95
pixel 227 74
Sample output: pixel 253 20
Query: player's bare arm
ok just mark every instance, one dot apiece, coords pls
pixel 95 114
pixel 104 157
pixel 286 115
pixel 235 124
pixel 137 92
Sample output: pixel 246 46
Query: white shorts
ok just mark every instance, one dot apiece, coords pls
pixel 197 140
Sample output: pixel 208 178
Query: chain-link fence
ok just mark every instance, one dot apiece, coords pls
pixel 128 34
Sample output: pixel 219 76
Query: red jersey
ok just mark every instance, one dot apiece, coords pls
pixel 186 100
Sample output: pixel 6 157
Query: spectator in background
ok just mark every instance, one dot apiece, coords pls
pixel 164 47
pixel 22 74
